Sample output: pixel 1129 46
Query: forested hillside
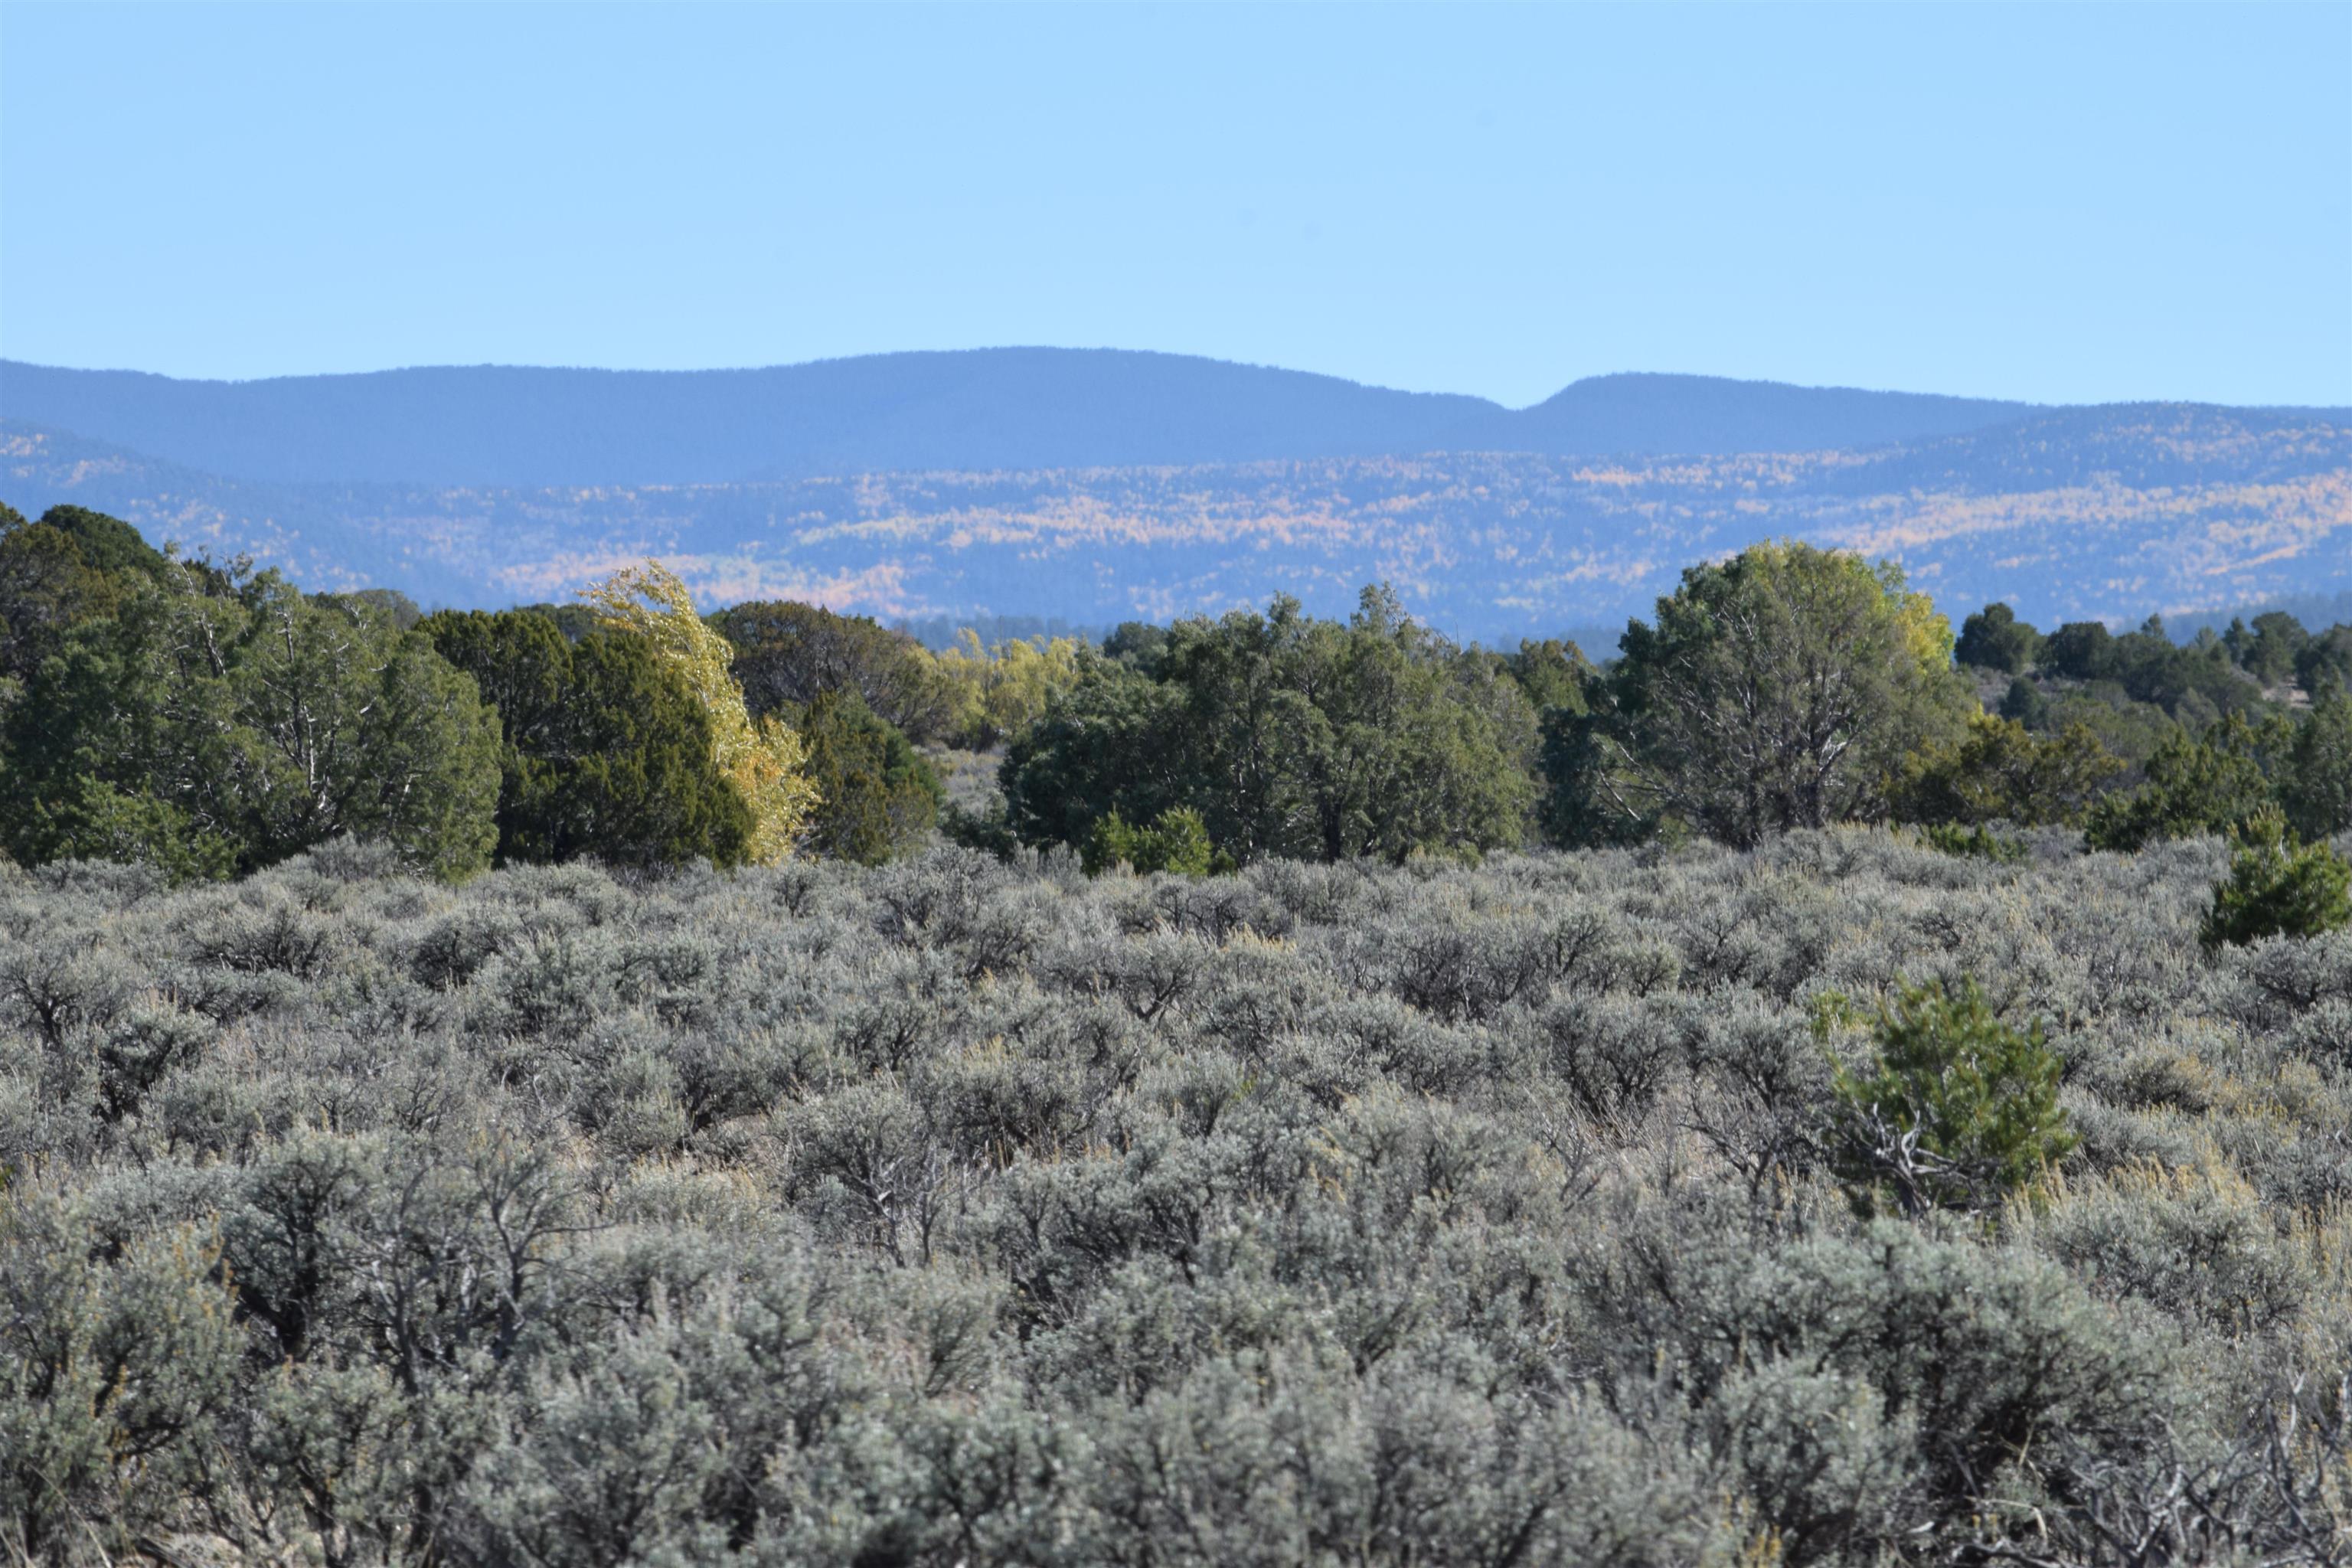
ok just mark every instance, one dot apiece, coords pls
pixel 2074 515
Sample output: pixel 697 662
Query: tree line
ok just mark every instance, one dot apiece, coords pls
pixel 212 720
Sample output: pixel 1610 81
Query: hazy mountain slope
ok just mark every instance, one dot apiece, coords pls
pixel 498 424
pixel 1655 414
pixel 997 409
pixel 2187 509
pixel 320 533
pixel 2145 445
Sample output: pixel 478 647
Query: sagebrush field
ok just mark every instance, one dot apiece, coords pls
pixel 954 1211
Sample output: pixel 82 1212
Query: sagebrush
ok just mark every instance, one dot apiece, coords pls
pixel 952 1211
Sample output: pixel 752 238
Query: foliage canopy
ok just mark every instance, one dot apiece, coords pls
pixel 1994 638
pixel 1288 735
pixel 605 751
pixel 208 719
pixel 788 654
pixel 1781 688
pixel 875 795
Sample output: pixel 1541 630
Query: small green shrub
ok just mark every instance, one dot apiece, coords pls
pixel 2277 886
pixel 1960 1111
pixel 94 820
pixel 2024 702
pixel 986 828
pixel 1974 844
pixel 1177 840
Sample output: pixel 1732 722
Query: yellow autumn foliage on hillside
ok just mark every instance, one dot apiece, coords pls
pixel 765 762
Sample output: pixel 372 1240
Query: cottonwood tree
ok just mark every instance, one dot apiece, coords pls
pixel 998 692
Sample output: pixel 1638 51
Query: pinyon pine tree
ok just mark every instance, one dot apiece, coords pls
pixel 2277 886
pixel 1960 1111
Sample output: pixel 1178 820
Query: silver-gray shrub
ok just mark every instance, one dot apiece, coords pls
pixel 960 1212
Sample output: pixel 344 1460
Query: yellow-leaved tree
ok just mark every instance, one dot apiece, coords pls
pixel 1001 691
pixel 764 761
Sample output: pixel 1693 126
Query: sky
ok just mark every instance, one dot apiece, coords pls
pixel 2052 203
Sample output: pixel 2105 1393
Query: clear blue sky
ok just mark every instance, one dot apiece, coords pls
pixel 2058 204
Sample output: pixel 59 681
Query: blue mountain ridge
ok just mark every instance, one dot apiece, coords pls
pixel 980 410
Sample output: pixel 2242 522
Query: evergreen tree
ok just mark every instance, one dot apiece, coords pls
pixel 2268 652
pixel 344 723
pixel 2024 703
pixel 1290 736
pixel 2079 650
pixel 1550 674
pixel 2211 784
pixel 2324 660
pixel 2000 771
pixel 1994 638
pixel 788 654
pixel 2315 780
pixel 877 797
pixel 214 718
pixel 605 751
pixel 46 588
pixel 1958 1111
pixel 1781 688
pixel 1112 743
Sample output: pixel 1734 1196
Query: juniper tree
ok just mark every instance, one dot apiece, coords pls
pixel 1778 689
pixel 605 750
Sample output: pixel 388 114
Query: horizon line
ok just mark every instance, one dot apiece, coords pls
pixel 2023 405
pixel 2020 404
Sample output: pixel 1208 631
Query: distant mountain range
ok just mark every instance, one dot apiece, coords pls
pixel 983 410
pixel 1100 486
